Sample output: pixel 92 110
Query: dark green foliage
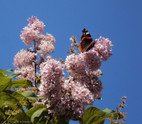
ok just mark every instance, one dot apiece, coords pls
pixel 94 115
pixel 37 114
pixel 12 102
pixel 2 116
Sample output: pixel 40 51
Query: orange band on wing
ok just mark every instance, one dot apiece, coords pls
pixel 86 38
pixel 80 49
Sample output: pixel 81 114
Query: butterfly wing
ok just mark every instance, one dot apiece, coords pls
pixel 86 41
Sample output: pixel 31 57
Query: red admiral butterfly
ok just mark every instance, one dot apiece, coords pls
pixel 86 41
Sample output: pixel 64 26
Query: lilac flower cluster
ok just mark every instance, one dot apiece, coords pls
pixel 32 32
pixel 46 44
pixel 103 46
pixel 92 60
pixel 84 68
pixel 25 60
pixel 74 65
pixel 27 72
pixel 78 92
pixel 67 99
pixel 52 72
pixel 63 97
pixel 82 85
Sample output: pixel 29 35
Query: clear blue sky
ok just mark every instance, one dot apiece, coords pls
pixel 119 20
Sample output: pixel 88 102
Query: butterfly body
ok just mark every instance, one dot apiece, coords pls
pixel 86 41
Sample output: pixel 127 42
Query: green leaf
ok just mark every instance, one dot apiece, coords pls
pixel 7 100
pixel 108 110
pixel 2 116
pixel 5 83
pixel 30 95
pixel 20 117
pixel 21 83
pixel 11 99
pixel 57 120
pixel 22 99
pixel 2 75
pixel 13 75
pixel 2 72
pixel 38 115
pixel 60 120
pixel 93 115
pixel 34 109
pixel 34 115
pixel 5 71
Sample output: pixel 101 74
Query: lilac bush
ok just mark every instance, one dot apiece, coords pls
pixel 64 97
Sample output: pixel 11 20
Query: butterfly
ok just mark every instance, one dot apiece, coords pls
pixel 86 41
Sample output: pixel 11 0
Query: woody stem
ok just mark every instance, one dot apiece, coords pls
pixel 35 51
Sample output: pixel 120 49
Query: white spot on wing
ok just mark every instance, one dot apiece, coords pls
pixel 87 32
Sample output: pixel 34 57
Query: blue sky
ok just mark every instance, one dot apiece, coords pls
pixel 118 20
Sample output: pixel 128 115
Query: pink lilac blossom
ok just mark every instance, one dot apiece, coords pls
pixel 46 44
pixel 83 68
pixel 24 58
pixel 68 108
pixel 74 65
pixel 27 72
pixel 78 92
pixel 92 60
pixel 98 72
pixel 50 38
pixel 64 105
pixel 103 46
pixel 94 85
pixel 45 47
pixel 51 77
pixel 29 35
pixel 47 37
pixel 57 96
pixel 35 24
pixel 32 31
pixel 73 99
